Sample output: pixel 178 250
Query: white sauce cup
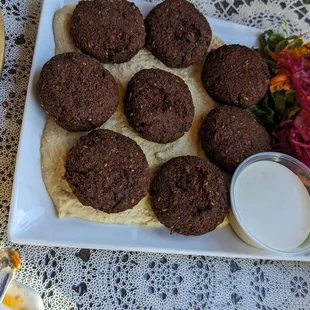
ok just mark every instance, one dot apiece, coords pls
pixel 299 169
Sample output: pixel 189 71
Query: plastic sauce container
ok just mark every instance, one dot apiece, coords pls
pixel 270 202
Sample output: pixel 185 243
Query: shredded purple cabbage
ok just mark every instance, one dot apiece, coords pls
pixel 294 135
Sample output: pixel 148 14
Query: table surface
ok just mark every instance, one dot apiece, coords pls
pixel 97 279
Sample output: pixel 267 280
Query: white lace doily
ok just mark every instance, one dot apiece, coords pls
pixel 108 280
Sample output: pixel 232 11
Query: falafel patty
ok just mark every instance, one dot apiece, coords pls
pixel 111 31
pixel 177 33
pixel 77 91
pixel 107 171
pixel 158 105
pixel 189 195
pixel 235 75
pixel 230 134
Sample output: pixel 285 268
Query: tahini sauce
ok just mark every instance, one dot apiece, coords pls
pixel 273 205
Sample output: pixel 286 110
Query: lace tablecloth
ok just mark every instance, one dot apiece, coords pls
pixel 108 280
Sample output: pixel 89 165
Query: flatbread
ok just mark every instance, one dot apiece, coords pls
pixel 56 141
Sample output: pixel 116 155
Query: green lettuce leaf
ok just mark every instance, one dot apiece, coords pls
pixel 274 108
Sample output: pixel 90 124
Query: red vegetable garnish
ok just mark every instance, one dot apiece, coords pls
pixel 285 109
pixel 293 135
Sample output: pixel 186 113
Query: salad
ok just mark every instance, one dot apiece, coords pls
pixel 285 109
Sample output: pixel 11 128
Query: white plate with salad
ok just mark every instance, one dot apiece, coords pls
pixel 32 216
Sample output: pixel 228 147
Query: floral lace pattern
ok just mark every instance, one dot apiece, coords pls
pixel 108 280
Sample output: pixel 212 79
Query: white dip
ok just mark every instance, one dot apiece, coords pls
pixel 273 205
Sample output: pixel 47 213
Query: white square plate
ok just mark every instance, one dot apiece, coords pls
pixel 33 218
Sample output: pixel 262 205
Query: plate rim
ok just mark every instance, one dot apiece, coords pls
pixel 15 237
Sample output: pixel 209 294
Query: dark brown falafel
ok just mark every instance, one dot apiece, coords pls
pixel 235 75
pixel 107 171
pixel 177 33
pixel 159 105
pixel 189 195
pixel 77 91
pixel 230 134
pixel 111 31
